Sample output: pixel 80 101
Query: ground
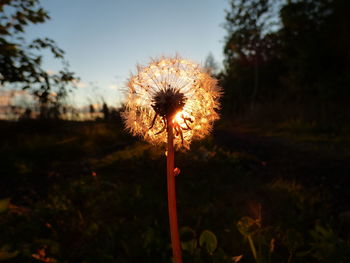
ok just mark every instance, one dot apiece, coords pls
pixel 320 163
pixel 89 192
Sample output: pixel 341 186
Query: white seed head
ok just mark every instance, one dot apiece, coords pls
pixel 176 89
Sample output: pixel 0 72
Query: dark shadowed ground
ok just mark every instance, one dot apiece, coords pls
pixel 314 164
pixel 89 192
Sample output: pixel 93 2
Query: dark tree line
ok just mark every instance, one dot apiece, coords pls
pixel 290 59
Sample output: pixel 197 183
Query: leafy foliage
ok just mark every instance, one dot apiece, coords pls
pixel 287 59
pixel 21 62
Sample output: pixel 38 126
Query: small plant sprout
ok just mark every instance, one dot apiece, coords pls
pixel 171 101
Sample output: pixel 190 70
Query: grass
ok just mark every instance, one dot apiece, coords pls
pixel 88 192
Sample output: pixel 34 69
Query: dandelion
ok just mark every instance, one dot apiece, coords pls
pixel 174 89
pixel 171 101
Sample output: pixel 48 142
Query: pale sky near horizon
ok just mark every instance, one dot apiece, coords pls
pixel 104 40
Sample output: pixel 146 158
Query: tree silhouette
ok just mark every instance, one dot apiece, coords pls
pixel 291 54
pixel 210 64
pixel 105 111
pixel 21 62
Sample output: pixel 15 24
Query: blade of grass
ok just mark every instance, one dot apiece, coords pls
pixel 252 247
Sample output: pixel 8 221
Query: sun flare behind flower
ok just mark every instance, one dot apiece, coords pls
pixel 175 89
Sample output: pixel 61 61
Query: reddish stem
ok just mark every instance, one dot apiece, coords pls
pixel 174 230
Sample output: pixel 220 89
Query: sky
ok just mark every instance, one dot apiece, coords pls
pixel 105 40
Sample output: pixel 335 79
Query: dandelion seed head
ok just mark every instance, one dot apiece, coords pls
pixel 175 89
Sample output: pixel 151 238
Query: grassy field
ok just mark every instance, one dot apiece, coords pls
pixel 89 192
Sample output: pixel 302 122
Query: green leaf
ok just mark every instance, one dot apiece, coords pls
pixel 247 226
pixel 4 204
pixel 5 254
pixel 188 239
pixel 208 240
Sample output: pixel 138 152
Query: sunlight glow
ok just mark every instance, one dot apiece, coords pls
pixel 154 86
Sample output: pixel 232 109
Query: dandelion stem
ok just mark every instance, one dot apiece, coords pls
pixel 174 230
